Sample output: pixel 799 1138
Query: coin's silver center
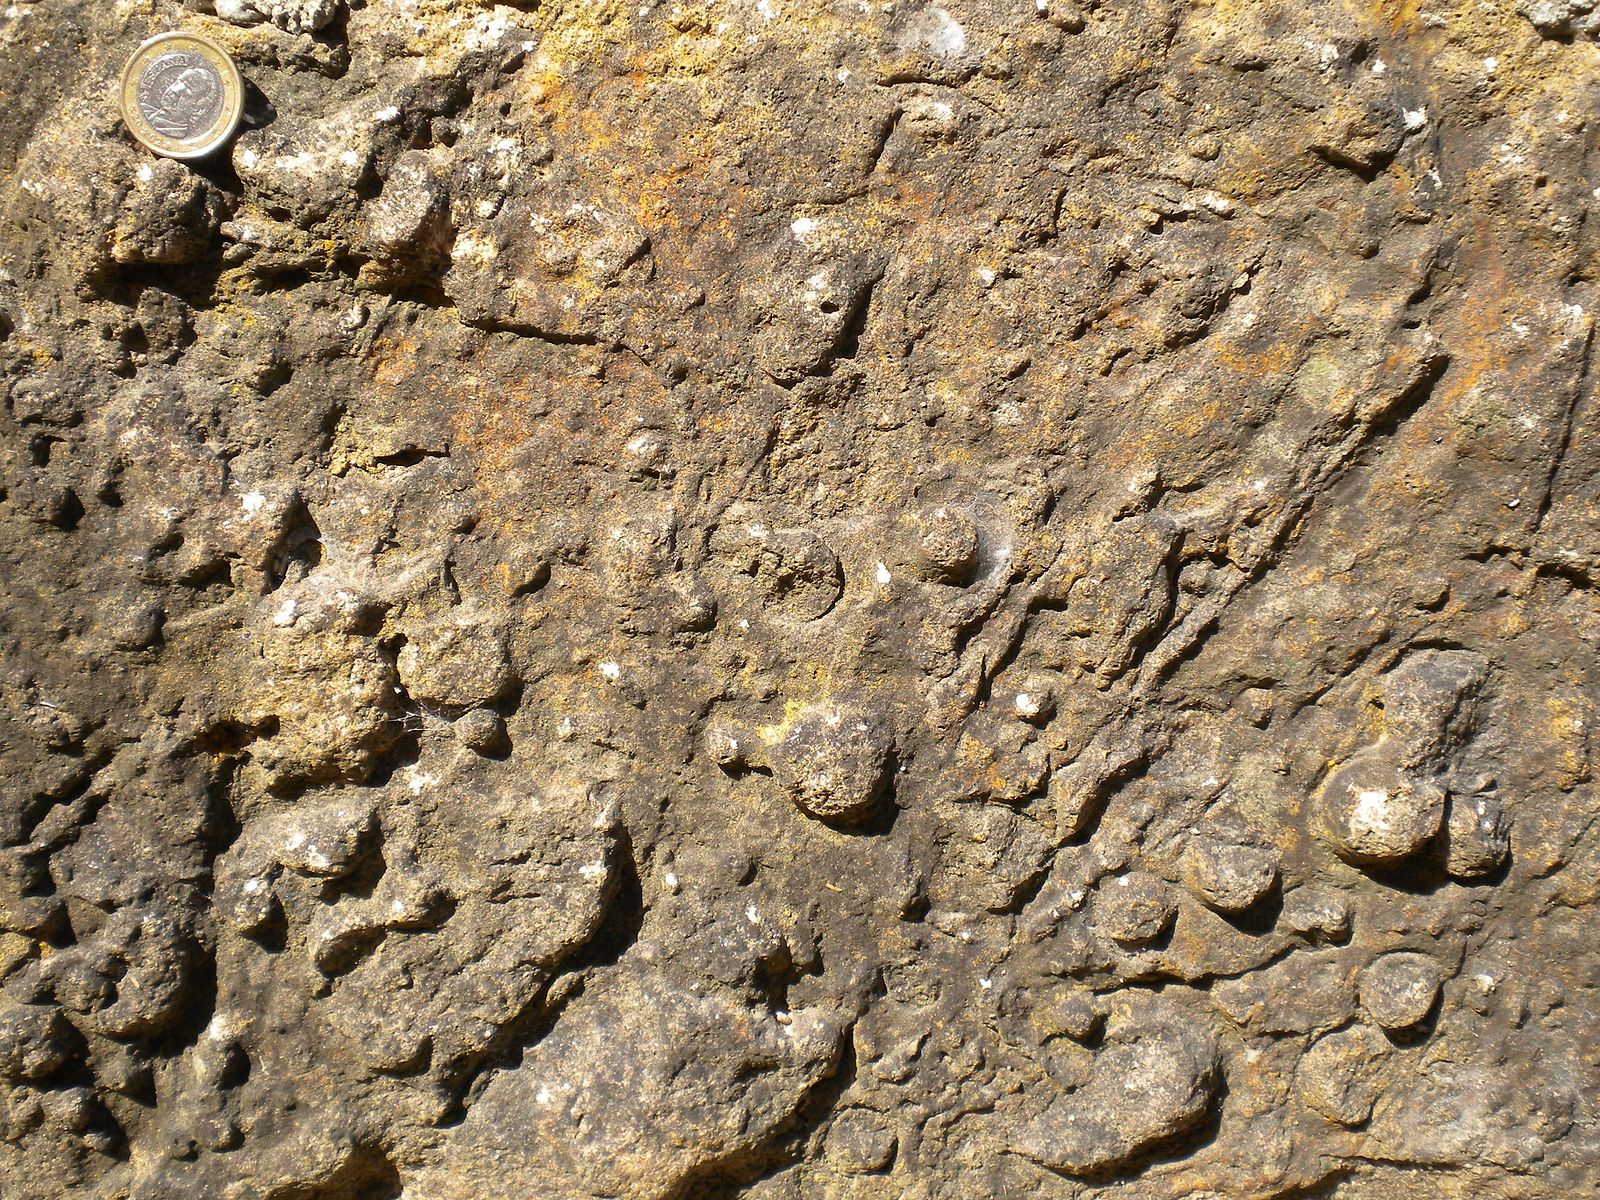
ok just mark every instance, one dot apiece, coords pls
pixel 181 95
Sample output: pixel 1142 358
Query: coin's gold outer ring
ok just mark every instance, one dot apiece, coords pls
pixel 226 124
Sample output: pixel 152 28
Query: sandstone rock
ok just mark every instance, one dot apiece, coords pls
pixel 1562 18
pixel 330 698
pixel 1077 790
pixel 793 571
pixel 171 217
pixel 1302 994
pixel 481 730
pixel 1323 916
pixel 1341 1074
pixel 306 172
pixel 295 16
pixel 1230 869
pixel 947 543
pixel 994 857
pixel 456 663
pixel 628 1096
pixel 778 601
pixel 1429 704
pixel 407 222
pixel 810 290
pixel 323 840
pixel 1477 836
pixel 37 1040
pixel 552 261
pixel 861 1142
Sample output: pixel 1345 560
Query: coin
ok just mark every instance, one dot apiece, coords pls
pixel 182 96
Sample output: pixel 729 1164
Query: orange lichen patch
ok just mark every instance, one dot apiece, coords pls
pixel 1476 343
pixel 492 419
pixel 1254 172
pixel 590 127
pixel 540 84
pixel 522 434
pixel 1175 416
pixel 1257 364
pixel 804 683
pixel 1408 183
pixel 690 53
pixel 1568 730
pixel 927 200
pixel 37 354
pixel 1401 16
pixel 493 413
pixel 396 362
pixel 648 164
pixel 671 206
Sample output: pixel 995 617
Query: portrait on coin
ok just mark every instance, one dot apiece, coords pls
pixel 181 95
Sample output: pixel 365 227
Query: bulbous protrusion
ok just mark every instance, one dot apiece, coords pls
pixel 947 544
pixel 1399 990
pixel 1374 814
pixel 1134 909
pixel 833 763
pixel 1230 869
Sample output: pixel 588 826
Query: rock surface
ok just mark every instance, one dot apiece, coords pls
pixel 803 602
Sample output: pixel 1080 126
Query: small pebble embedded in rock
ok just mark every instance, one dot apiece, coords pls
pixel 1399 990
pixel 1373 814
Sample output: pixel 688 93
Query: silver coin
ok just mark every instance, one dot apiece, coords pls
pixel 182 95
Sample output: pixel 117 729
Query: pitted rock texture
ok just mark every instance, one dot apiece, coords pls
pixel 894 601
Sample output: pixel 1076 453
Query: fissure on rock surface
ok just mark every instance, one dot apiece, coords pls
pixel 772 600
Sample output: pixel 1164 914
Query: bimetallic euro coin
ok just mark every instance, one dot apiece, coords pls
pixel 182 95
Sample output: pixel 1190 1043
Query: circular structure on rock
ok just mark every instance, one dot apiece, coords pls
pixel 457 664
pixel 182 95
pixel 800 574
pixel 1155 1079
pixel 1134 909
pixel 481 730
pixel 1339 1076
pixel 1373 815
pixel 1229 875
pixel 1399 990
pixel 833 764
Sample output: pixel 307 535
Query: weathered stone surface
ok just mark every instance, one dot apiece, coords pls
pixel 803 602
pixel 1562 18
pixel 1230 867
pixel 1155 1078
pixel 1340 1077
pixel 832 760
pixel 1134 908
pixel 620 1099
